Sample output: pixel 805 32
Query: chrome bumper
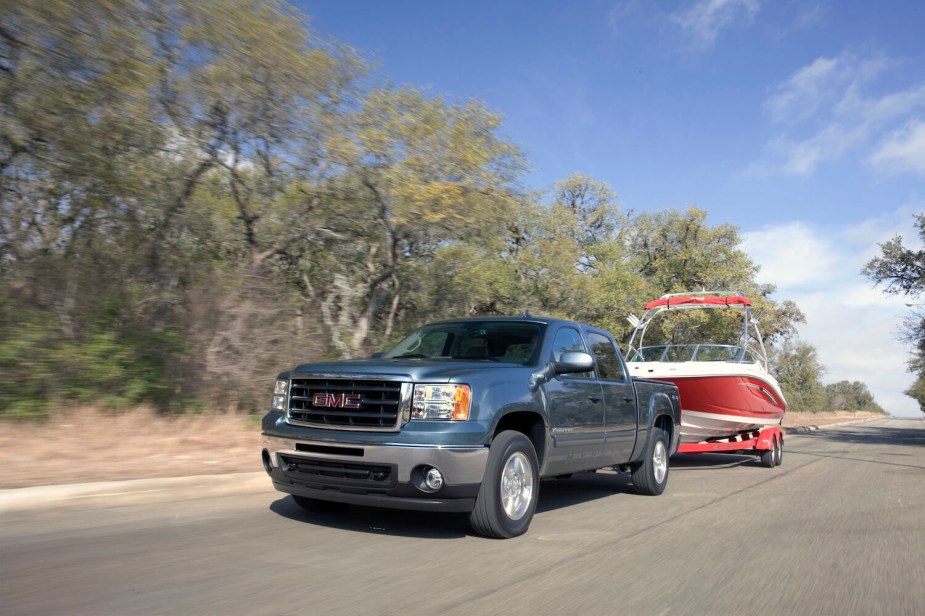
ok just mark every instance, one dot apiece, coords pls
pixel 459 464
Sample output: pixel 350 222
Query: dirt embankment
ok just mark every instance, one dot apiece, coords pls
pixel 90 445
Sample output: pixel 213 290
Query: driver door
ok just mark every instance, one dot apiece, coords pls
pixel 576 410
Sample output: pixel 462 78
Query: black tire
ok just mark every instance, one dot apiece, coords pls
pixel 317 506
pixel 651 475
pixel 769 457
pixel 510 488
pixel 779 451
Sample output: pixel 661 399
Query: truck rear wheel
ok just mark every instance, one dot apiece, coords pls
pixel 651 475
pixel 510 489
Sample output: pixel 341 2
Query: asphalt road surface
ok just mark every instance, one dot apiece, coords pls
pixel 839 528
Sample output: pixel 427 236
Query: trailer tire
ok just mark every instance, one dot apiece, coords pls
pixel 510 488
pixel 651 475
pixel 768 457
pixel 778 450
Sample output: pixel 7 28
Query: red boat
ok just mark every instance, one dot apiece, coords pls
pixel 726 390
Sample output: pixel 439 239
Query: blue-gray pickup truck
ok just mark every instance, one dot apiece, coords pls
pixel 468 415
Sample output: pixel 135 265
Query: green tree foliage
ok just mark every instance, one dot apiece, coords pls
pixel 148 154
pixel 850 396
pixel 798 371
pixel 917 391
pixel 675 251
pixel 902 271
pixel 899 268
pixel 423 176
pixel 195 194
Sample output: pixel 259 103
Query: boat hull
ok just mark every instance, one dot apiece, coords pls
pixel 723 405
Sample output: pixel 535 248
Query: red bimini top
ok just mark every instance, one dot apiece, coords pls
pixel 704 300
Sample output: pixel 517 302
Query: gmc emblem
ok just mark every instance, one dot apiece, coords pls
pixel 337 401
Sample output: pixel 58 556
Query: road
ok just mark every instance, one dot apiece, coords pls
pixel 839 528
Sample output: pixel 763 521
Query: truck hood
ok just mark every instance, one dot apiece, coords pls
pixel 431 370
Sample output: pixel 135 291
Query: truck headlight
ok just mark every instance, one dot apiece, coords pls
pixel 279 395
pixel 441 402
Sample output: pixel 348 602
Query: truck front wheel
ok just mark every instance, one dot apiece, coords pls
pixel 651 475
pixel 507 497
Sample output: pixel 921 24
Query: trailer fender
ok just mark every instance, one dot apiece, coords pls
pixel 766 439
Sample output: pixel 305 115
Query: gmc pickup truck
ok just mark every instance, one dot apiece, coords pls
pixel 468 416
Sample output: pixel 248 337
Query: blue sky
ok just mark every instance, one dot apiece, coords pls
pixel 801 122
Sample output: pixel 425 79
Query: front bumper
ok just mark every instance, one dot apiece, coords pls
pixel 382 475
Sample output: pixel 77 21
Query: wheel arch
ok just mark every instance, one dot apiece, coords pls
pixel 530 425
pixel 662 414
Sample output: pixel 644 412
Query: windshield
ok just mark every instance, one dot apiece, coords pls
pixel 510 342
pixel 693 352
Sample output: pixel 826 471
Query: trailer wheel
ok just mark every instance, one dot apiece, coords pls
pixel 778 451
pixel 510 489
pixel 768 456
pixel 651 475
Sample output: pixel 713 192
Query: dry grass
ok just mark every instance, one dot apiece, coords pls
pixel 90 445
pixel 794 420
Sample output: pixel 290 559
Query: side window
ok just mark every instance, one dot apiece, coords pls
pixel 568 339
pixel 608 365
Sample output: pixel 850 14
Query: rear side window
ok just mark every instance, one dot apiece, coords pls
pixel 608 365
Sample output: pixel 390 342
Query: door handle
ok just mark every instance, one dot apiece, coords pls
pixel 627 398
pixel 594 399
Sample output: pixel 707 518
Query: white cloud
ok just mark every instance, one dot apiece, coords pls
pixel 853 325
pixel 902 150
pixel 791 255
pixel 804 93
pixel 802 157
pixel 706 18
pixel 829 109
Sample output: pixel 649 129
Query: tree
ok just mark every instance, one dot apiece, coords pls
pixel 902 271
pixel 850 396
pixel 798 371
pixel 151 159
pixel 422 175
pixel 676 251
pixel 917 391
pixel 588 212
pixel 194 193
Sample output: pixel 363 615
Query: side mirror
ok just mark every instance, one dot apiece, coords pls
pixel 573 361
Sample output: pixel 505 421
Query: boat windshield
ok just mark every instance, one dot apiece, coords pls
pixel 512 342
pixel 693 352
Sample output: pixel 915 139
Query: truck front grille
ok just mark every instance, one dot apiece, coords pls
pixel 344 403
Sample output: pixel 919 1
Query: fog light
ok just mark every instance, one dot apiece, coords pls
pixel 433 479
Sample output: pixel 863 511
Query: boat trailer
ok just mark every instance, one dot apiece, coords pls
pixel 767 443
